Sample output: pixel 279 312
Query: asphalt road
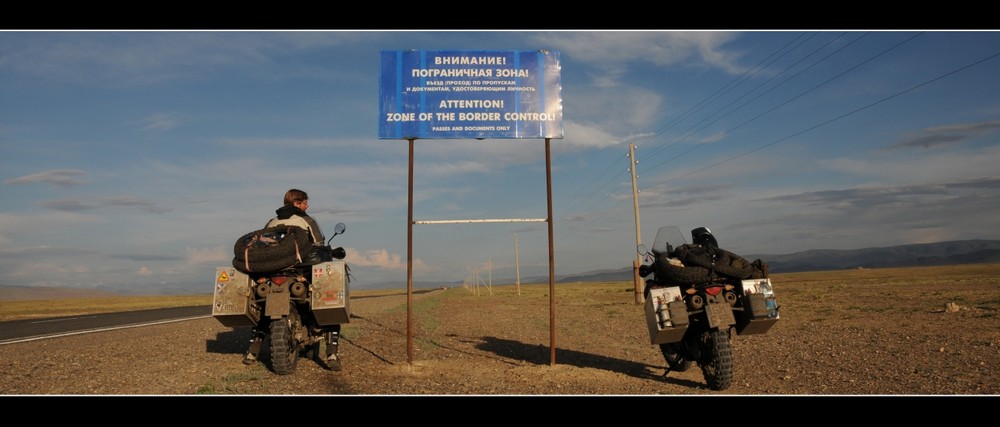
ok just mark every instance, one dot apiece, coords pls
pixel 35 329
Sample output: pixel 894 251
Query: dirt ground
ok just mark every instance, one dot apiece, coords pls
pixel 854 333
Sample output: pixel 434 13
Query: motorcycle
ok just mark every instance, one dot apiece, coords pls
pixel 286 289
pixel 698 298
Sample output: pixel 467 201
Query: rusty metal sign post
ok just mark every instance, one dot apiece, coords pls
pixel 471 95
pixel 409 253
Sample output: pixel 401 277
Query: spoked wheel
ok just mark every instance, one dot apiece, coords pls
pixel 717 359
pixel 284 352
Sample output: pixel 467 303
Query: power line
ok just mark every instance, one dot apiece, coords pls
pixel 729 87
pixel 616 204
pixel 692 129
pixel 826 122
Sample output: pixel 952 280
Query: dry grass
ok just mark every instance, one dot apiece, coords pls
pixel 850 332
pixel 58 307
pixel 12 310
pixel 809 289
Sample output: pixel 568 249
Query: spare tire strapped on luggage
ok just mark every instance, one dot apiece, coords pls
pixel 270 249
pixel 246 256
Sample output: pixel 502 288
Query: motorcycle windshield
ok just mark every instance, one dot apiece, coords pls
pixel 667 235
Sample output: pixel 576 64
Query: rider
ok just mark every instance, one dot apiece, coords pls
pixel 293 212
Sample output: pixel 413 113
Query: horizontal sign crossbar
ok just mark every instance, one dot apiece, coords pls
pixel 461 221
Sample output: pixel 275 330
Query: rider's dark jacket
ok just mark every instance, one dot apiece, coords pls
pixel 292 215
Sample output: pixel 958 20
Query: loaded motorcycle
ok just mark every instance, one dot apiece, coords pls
pixel 288 290
pixel 698 297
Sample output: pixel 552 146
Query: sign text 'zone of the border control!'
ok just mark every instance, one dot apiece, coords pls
pixel 470 94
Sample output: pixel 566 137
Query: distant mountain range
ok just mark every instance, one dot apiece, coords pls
pixel 928 254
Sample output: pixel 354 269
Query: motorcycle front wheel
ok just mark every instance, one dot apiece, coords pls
pixel 717 359
pixel 673 353
pixel 284 352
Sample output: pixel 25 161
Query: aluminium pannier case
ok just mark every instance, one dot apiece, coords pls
pixel 760 308
pixel 330 300
pixel 232 304
pixel 666 315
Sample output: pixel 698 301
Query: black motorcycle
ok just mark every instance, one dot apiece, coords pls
pixel 698 298
pixel 289 290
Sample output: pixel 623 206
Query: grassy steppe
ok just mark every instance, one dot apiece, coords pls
pixel 805 288
pixel 58 307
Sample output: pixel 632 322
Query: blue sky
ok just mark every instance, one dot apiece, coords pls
pixel 134 160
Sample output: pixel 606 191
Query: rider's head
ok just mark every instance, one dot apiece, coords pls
pixel 298 198
pixel 703 236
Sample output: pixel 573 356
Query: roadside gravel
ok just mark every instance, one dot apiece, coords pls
pixel 850 339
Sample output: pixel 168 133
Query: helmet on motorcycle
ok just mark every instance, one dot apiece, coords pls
pixel 703 236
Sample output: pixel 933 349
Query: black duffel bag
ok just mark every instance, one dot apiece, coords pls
pixel 721 262
pixel 321 254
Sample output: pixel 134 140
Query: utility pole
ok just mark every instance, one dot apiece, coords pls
pixel 517 268
pixel 489 287
pixel 639 297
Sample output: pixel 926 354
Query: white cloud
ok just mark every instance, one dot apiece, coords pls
pixel 289 143
pixel 920 167
pixel 41 273
pixel 947 135
pixel 583 136
pixel 81 204
pixel 624 110
pixel 32 226
pixel 144 57
pixel 216 255
pixel 158 121
pixel 57 177
pixel 609 48
pixel 381 258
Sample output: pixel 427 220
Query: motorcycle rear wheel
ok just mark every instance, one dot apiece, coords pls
pixel 284 352
pixel 717 359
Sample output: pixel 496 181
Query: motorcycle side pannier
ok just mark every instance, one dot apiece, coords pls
pixel 666 315
pixel 760 308
pixel 330 293
pixel 232 304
